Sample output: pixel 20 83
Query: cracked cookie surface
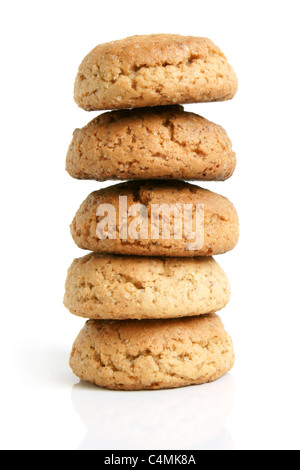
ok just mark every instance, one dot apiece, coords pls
pixel 221 223
pixel 155 70
pixel 152 354
pixel 120 287
pixel 153 143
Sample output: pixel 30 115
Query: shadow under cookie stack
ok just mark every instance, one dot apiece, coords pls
pixel 149 291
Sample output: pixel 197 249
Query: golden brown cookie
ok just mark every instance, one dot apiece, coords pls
pixel 155 70
pixel 127 219
pixel 109 287
pixel 152 354
pixel 154 143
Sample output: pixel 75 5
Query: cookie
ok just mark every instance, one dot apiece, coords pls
pixel 156 218
pixel 155 70
pixel 109 287
pixel 154 143
pixel 152 354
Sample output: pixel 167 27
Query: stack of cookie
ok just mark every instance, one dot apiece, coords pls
pixel 150 289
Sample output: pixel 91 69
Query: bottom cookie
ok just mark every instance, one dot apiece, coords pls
pixel 152 354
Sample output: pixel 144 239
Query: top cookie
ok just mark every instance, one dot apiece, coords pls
pixel 155 70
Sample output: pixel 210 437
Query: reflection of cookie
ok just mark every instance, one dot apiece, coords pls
pixel 154 70
pixel 152 354
pixel 155 143
pixel 117 287
pixel 190 420
pixel 221 226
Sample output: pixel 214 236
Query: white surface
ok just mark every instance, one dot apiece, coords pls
pixel 257 405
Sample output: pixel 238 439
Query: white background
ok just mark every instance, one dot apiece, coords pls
pixel 42 405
